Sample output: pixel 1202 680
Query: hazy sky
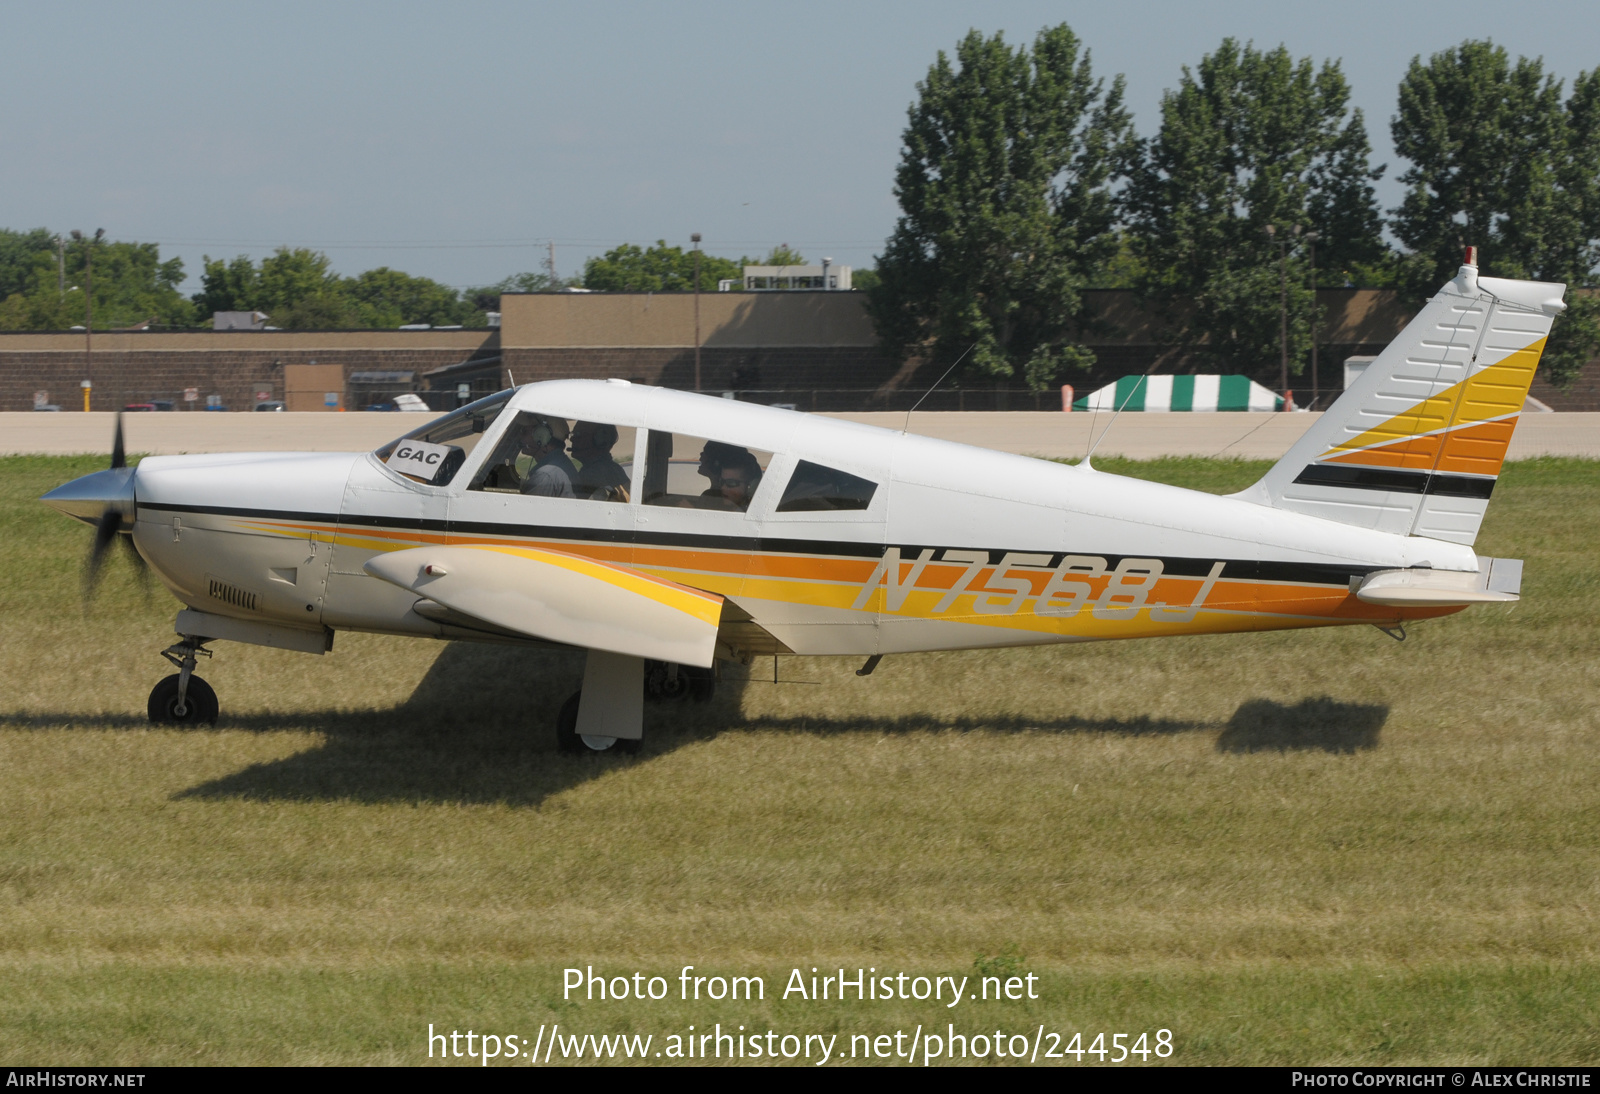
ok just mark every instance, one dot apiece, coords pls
pixel 453 141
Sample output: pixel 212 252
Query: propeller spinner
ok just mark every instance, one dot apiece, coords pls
pixel 105 500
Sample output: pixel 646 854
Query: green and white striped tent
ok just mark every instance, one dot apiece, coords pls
pixel 1155 393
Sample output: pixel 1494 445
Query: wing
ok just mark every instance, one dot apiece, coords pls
pixel 562 598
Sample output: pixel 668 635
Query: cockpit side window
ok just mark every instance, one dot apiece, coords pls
pixel 814 487
pixel 555 457
pixel 697 473
pixel 433 453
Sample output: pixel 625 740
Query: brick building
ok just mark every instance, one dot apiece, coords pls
pixel 812 349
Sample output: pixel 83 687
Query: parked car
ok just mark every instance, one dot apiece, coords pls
pixel 49 407
pixel 140 406
pixel 378 406
pixel 221 409
pixel 269 405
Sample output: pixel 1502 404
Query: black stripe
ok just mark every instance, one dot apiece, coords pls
pixel 1395 480
pixel 1461 486
pixel 1310 573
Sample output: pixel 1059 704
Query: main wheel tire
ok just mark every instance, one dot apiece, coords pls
pixel 569 740
pixel 200 705
pixel 662 684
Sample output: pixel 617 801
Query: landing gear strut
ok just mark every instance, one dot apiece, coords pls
pixel 568 739
pixel 183 698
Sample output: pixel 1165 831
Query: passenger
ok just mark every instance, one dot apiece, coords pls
pixel 739 479
pixel 600 477
pixel 713 457
pixel 546 440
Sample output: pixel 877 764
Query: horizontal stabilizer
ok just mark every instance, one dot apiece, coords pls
pixel 562 598
pixel 1497 581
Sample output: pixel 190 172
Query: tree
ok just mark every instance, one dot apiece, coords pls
pixel 781 255
pixel 659 269
pixel 486 298
pixel 227 286
pixel 389 298
pixel 131 285
pixel 292 277
pixel 1006 209
pixel 19 259
pixel 1249 141
pixel 1499 161
pixel 298 290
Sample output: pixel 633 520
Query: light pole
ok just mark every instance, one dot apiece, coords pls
pixel 1316 385
pixel 695 239
pixel 88 305
pixel 1283 309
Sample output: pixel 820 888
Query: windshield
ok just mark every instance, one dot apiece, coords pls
pixel 434 452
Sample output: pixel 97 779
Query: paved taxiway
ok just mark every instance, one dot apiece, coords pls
pixel 1140 436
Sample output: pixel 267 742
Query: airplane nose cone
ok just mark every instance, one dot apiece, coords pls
pixel 88 498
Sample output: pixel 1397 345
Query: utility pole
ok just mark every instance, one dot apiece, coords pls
pixel 695 239
pixel 61 267
pixel 1316 385
pixel 550 265
pixel 88 319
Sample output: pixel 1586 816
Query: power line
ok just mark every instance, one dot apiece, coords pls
pixel 480 244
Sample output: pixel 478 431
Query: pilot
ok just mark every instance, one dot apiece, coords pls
pixel 546 440
pixel 738 480
pixel 600 477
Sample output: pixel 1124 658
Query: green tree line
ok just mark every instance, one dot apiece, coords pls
pixel 1021 183
pixel 44 279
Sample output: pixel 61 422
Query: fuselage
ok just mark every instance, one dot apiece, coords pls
pixel 952 547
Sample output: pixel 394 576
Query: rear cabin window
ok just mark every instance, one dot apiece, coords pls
pixel 434 452
pixel 815 488
pixel 697 473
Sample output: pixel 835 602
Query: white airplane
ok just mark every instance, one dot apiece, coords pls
pixel 683 531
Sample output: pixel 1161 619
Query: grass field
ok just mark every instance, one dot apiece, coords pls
pixel 1305 847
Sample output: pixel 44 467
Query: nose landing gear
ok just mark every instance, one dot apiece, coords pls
pixel 183 698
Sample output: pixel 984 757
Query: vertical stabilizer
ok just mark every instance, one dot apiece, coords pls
pixel 1415 445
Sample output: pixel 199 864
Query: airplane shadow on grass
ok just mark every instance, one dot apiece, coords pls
pixel 479 728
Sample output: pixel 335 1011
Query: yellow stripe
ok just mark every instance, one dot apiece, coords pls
pixel 702 606
pixel 1492 393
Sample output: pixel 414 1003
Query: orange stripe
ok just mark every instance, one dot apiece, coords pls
pixel 1266 605
pixel 1470 449
pixel 1477 449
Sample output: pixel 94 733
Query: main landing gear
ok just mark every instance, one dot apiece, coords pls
pixel 614 718
pixel 183 698
pixel 568 739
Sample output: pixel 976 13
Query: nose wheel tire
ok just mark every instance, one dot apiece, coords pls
pixel 568 739
pixel 199 706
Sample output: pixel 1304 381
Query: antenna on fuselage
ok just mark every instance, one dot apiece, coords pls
pixel 1112 422
pixel 936 383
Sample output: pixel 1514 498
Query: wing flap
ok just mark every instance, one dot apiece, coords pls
pixel 560 597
